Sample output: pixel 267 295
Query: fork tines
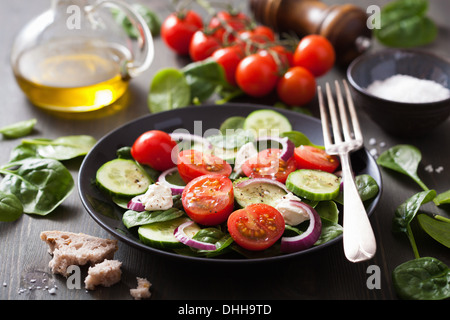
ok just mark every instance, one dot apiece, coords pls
pixel 345 135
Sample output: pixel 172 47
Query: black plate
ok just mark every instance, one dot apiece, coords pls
pixel 108 215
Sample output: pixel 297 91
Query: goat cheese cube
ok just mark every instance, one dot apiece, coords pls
pixel 292 215
pixel 157 197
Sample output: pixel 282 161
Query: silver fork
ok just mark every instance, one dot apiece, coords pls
pixel 345 137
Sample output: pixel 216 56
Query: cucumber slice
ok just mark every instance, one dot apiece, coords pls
pixel 267 122
pixel 123 178
pixel 232 123
pixel 160 234
pixel 313 185
pixel 257 191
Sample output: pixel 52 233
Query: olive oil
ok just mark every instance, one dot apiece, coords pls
pixel 75 75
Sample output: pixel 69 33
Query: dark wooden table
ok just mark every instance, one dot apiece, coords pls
pixel 325 274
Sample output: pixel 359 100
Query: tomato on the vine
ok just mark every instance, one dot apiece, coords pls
pixel 296 87
pixel 178 28
pixel 208 199
pixel 202 46
pixel 267 164
pixel 257 74
pixel 236 21
pixel 229 58
pixel 154 148
pixel 309 157
pixel 193 163
pixel 315 53
pixel 256 227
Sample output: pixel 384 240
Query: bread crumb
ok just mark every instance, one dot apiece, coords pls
pixel 105 273
pixel 70 248
pixel 143 289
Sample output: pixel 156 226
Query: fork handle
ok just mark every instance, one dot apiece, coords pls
pixel 359 240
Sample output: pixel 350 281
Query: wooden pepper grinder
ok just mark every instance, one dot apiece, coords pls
pixel 344 25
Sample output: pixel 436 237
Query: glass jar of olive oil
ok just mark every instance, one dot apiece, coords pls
pixel 76 58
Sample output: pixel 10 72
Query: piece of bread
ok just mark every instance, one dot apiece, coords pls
pixel 143 289
pixel 104 274
pixel 79 249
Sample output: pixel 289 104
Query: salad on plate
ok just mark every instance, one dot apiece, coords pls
pixel 254 186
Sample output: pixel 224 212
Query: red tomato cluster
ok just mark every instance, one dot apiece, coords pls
pixel 250 54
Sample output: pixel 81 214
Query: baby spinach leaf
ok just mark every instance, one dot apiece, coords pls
pixel 150 17
pixel 63 148
pixel 11 208
pixel 330 230
pixel 367 188
pixel 404 24
pixel 406 212
pixel 134 218
pixel 204 79
pixel 328 210
pixel 299 138
pixel 443 197
pixel 438 230
pixel 18 129
pixel 168 90
pixel 40 184
pixel 422 279
pixel 404 159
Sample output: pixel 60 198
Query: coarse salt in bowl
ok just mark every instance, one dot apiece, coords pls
pixel 406 92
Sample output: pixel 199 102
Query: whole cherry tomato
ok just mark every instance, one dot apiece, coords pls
pixel 202 46
pixel 229 58
pixel 178 28
pixel 154 148
pixel 296 87
pixel 315 53
pixel 257 74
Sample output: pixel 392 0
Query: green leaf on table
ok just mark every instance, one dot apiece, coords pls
pixel 424 278
pixel 404 24
pixel 11 208
pixel 404 159
pixel 39 184
pixel 443 197
pixel 406 212
pixel 169 90
pixel 150 17
pixel 63 148
pixel 437 229
pixel 18 129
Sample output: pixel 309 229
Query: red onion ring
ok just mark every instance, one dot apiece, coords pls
pixel 173 187
pixel 181 236
pixel 307 238
pixel 136 204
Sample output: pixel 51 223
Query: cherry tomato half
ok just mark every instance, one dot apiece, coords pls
pixel 178 28
pixel 208 199
pixel 309 157
pixel 154 148
pixel 229 58
pixel 202 46
pixel 315 53
pixel 296 87
pixel 256 227
pixel 192 164
pixel 257 74
pixel 267 164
